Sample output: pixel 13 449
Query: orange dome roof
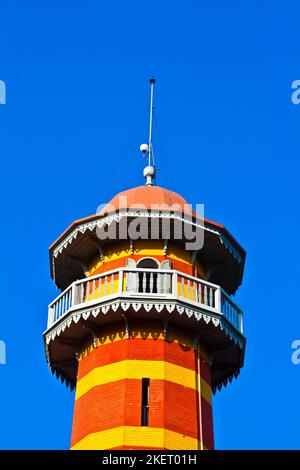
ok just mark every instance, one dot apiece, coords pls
pixel 148 197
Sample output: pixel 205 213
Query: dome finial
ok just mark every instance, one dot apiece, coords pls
pixel 149 171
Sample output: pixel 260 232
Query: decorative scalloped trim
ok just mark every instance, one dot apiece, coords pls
pixel 224 382
pixel 217 322
pixel 99 223
pixel 229 247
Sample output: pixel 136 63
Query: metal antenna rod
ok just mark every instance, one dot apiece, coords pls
pixel 149 171
pixel 152 81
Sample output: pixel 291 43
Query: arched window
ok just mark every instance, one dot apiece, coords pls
pixel 148 280
pixel 148 263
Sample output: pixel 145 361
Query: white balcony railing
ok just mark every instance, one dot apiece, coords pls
pixel 149 283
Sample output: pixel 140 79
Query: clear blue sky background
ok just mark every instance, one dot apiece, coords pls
pixel 227 135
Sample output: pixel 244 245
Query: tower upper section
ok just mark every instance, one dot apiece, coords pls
pixel 131 259
pixel 151 207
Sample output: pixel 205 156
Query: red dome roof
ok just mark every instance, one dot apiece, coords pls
pixel 148 197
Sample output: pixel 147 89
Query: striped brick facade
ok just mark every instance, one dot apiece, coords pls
pixel 108 402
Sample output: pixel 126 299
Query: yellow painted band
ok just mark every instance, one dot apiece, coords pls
pixel 109 289
pixel 137 437
pixel 155 248
pixel 137 369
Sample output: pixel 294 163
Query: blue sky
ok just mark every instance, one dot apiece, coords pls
pixel 226 135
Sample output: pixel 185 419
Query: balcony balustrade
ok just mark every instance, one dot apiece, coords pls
pixel 148 284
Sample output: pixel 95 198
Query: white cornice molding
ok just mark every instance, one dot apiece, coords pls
pixel 207 318
pixel 107 220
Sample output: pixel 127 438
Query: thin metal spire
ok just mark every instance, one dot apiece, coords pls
pixel 150 154
pixel 149 171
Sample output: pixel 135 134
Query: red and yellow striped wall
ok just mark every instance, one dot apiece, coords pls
pixel 107 412
pixel 108 400
pixel 117 255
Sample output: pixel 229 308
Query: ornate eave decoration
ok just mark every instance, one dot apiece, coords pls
pixel 108 219
pixel 85 313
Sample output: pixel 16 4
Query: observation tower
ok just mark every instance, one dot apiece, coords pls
pixel 145 327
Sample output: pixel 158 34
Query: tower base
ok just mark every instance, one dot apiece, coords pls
pixel 148 391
